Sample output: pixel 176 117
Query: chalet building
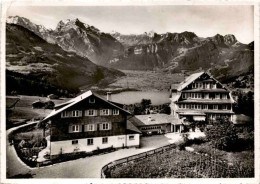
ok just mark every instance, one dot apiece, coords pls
pixel 87 123
pixel 157 123
pixel 200 97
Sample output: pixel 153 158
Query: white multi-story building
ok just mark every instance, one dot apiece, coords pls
pixel 200 97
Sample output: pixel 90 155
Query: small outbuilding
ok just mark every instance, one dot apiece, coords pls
pixel 157 123
pixel 52 96
pixel 38 104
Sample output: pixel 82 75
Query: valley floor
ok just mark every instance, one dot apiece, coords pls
pixel 147 80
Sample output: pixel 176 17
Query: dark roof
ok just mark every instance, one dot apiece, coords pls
pixel 131 128
pixel 77 100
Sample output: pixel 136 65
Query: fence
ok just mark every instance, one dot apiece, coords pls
pixel 134 158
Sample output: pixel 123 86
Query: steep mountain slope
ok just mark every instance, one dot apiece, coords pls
pixel 87 41
pixel 174 52
pixel 33 57
pixel 75 36
pixel 39 30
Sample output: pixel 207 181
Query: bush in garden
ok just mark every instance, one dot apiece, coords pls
pixel 223 135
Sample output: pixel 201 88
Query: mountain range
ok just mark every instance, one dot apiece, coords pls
pixel 224 55
pixel 35 66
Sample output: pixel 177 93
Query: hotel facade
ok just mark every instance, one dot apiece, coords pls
pixel 200 97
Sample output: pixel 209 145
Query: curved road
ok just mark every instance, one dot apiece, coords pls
pixel 89 167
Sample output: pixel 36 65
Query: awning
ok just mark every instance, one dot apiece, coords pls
pixel 199 118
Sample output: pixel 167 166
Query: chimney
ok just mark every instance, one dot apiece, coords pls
pixel 108 96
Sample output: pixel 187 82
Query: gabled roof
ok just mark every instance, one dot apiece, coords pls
pixel 77 100
pixel 131 128
pixel 193 77
pixel 189 80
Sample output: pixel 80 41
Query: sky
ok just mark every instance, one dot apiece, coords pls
pixel 204 21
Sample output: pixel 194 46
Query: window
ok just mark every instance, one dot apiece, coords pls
pixel 204 106
pixel 90 141
pixel 75 128
pixel 65 114
pixel 192 95
pixel 131 137
pixel 90 112
pixel 90 127
pixel 187 106
pixel 192 106
pixel 104 112
pixel 199 95
pixel 217 96
pixel 199 106
pixel 105 126
pixel 104 140
pixel 215 107
pixel 214 86
pixel 184 95
pixel 200 85
pixel 74 141
pixel 206 96
pixel 115 112
pixel 91 100
pixel 224 96
pixel 224 107
pixel 76 113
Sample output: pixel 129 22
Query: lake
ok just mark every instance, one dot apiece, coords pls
pixel 131 97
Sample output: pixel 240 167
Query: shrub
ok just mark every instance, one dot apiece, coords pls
pixel 222 134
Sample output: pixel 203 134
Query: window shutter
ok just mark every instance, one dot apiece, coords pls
pixel 70 129
pixel 80 113
pixel 80 128
pixel 109 126
pixel 85 128
pixel 95 127
pixel 109 111
pixel 95 112
pixel 101 112
pixel 100 126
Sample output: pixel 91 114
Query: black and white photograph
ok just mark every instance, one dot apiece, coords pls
pixel 130 91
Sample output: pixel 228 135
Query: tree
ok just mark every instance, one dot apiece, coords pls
pixel 245 104
pixel 145 103
pixel 222 134
pixel 166 109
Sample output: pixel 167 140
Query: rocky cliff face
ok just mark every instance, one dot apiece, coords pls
pixel 173 52
pixel 87 41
